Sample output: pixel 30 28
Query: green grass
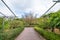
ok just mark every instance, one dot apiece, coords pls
pixel 11 34
pixel 47 35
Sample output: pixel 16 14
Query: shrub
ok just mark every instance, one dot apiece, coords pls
pixel 47 35
pixel 15 24
pixel 11 34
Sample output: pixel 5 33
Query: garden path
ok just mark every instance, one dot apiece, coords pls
pixel 29 34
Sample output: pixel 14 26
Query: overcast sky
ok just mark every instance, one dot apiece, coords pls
pixel 19 7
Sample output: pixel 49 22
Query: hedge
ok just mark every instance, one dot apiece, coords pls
pixel 48 35
pixel 10 35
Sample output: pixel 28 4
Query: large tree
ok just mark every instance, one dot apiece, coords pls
pixel 54 18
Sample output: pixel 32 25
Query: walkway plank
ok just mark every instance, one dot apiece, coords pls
pixel 29 34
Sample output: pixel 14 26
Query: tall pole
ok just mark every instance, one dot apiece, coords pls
pixel 8 8
pixel 3 24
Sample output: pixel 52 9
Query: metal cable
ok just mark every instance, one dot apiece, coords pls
pixel 3 14
pixel 49 8
pixel 9 8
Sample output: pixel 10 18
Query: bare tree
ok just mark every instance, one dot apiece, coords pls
pixel 29 18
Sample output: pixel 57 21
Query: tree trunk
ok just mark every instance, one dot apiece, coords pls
pixel 59 29
pixel 52 29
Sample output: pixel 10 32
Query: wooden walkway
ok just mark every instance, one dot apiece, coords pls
pixel 29 34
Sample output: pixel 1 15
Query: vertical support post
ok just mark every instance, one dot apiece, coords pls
pixel 3 24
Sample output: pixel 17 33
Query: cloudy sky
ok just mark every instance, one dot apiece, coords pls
pixel 19 7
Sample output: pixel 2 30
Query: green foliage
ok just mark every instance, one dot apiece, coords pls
pixel 10 34
pixel 54 19
pixel 16 23
pixel 50 20
pixel 6 24
pixel 1 20
pixel 6 33
pixel 43 22
pixel 47 35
